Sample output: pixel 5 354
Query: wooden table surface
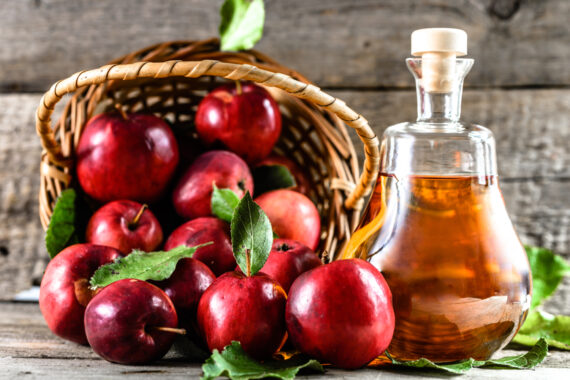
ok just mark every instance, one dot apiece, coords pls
pixel 29 350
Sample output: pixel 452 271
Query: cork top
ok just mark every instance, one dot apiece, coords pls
pixel 439 40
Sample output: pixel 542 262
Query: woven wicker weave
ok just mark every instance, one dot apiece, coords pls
pixel 313 135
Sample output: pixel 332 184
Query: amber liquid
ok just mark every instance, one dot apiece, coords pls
pixel 458 273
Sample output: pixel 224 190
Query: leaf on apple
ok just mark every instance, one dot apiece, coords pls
pixel 224 202
pixel 524 361
pixel 272 177
pixel 241 24
pixel 234 363
pixel 62 231
pixel 156 266
pixel 251 234
pixel 547 269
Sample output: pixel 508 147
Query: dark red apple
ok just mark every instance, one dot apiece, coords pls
pixel 185 287
pixel 249 310
pixel 292 215
pixel 126 322
pixel 125 225
pixel 287 260
pixel 219 256
pixel 341 313
pixel 193 193
pixel 300 176
pixel 65 292
pixel 126 157
pixel 241 116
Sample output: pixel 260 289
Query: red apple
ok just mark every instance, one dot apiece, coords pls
pixel 65 292
pixel 292 215
pixel 287 260
pixel 219 256
pixel 300 176
pixel 124 322
pixel 341 313
pixel 249 310
pixel 125 225
pixel 241 116
pixel 193 193
pixel 131 157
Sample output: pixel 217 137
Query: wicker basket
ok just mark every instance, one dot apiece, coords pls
pixel 170 79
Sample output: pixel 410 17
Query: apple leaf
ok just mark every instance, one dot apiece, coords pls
pixel 157 266
pixel 241 24
pixel 547 269
pixel 224 202
pixel 234 363
pixel 62 231
pixel 272 177
pixel 252 236
pixel 539 324
pixel 524 361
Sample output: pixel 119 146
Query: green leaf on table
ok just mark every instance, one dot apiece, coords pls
pixel 241 24
pixel 272 177
pixel 252 236
pixel 524 361
pixel 234 363
pixel 224 202
pixel 539 324
pixel 62 231
pixel 547 269
pixel 157 266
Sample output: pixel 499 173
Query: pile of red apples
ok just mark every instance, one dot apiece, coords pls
pixel 148 182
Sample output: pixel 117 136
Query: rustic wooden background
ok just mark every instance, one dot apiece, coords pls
pixel 355 49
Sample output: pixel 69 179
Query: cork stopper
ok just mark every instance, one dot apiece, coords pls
pixel 439 48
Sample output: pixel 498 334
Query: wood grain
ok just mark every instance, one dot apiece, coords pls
pixel 336 43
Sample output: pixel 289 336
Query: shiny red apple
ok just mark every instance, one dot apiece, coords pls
pixel 125 322
pixel 247 309
pixel 292 215
pixel 341 313
pixel 219 256
pixel 243 117
pixel 131 156
pixel 65 292
pixel 125 225
pixel 303 184
pixel 193 193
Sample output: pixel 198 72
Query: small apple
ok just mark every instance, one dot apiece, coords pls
pixel 287 260
pixel 247 309
pixel 126 156
pixel 193 193
pixel 124 225
pixel 65 292
pixel 243 117
pixel 131 322
pixel 341 313
pixel 292 215
pixel 300 176
pixel 218 256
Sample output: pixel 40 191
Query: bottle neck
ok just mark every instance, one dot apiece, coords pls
pixel 439 107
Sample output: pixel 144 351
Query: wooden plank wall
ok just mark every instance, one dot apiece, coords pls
pixel 519 87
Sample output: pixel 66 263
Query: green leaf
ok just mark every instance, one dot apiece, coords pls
pixel 524 361
pixel 547 269
pixel 234 363
pixel 141 265
pixel 539 324
pixel 251 235
pixel 241 24
pixel 272 177
pixel 62 232
pixel 224 202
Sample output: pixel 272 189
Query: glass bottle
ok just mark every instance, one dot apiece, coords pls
pixel 436 224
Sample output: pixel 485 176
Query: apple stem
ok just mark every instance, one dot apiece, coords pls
pixel 135 221
pixel 172 330
pixel 248 262
pixel 121 111
pixel 238 87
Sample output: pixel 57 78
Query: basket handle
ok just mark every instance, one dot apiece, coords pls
pixel 195 69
